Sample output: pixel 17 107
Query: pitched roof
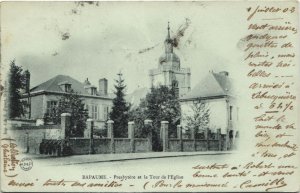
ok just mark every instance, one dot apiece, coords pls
pixel 53 85
pixel 213 85
pixel 136 96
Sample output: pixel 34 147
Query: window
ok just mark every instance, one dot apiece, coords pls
pixel 230 113
pixel 175 86
pixel 67 87
pixel 93 91
pixel 95 112
pixel 98 112
pixel 87 107
pixel 51 105
pixel 105 112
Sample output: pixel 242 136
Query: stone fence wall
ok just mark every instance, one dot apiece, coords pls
pixel 29 137
pixel 52 139
pixel 89 145
pixel 185 145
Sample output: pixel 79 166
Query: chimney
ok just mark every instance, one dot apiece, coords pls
pixel 103 86
pixel 27 90
pixel 224 73
pixel 86 82
pixel 27 79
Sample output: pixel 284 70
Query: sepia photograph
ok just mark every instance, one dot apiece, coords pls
pixel 148 96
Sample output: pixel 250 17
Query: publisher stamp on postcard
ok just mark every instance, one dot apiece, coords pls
pixel 26 164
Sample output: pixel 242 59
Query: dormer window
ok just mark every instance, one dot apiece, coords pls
pixel 65 86
pixel 93 91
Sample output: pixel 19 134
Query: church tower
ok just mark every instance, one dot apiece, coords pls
pixel 169 72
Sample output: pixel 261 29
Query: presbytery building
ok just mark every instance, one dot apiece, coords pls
pixel 45 96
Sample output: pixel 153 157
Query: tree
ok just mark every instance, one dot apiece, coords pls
pixel 73 104
pixel 161 104
pixel 198 119
pixel 17 84
pixel 120 108
pixel 138 115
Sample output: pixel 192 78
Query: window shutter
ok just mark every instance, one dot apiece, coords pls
pixel 98 112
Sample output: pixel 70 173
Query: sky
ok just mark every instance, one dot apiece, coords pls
pixel 94 41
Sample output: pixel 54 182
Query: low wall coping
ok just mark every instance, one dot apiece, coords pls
pixel 22 120
pixel 34 127
pixel 148 121
pixel 75 138
pixel 65 115
pixel 141 139
pixel 104 138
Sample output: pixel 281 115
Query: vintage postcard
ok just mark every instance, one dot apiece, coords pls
pixel 194 96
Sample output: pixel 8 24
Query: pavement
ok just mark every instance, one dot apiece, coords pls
pixel 95 158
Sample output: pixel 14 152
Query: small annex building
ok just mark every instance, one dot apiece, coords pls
pixel 217 93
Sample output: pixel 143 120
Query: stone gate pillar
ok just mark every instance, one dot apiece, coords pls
pixel 192 133
pixel 193 137
pixel 165 135
pixel 179 136
pixel 207 138
pixel 88 133
pixel 219 139
pixel 226 145
pixel 110 134
pixel 148 123
pixel 233 139
pixel 109 128
pixel 131 135
pixel 65 122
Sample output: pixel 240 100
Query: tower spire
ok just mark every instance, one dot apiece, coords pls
pixel 168 41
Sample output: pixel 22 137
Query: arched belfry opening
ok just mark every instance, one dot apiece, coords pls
pixel 175 87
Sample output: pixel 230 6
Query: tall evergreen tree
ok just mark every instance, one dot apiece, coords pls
pixel 17 84
pixel 119 113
